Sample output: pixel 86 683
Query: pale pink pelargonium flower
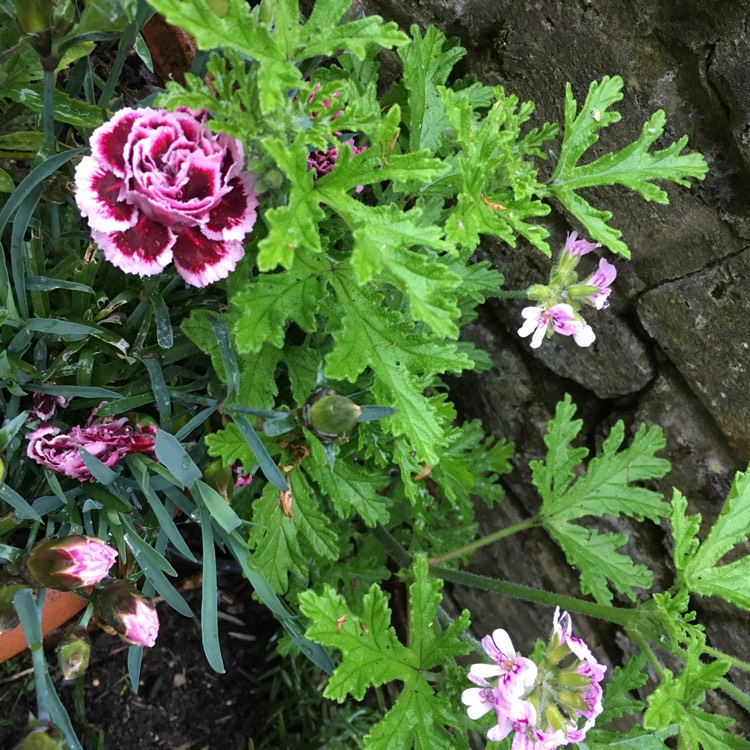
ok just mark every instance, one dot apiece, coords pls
pixel 109 440
pixel 602 278
pixel 574 246
pixel 560 318
pixel 73 562
pixel 515 673
pixel 160 187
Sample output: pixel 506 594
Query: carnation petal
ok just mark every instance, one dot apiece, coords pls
pixel 235 215
pixel 144 249
pixel 108 141
pixel 201 260
pixel 98 197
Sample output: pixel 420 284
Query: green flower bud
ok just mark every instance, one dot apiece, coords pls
pixel 330 415
pixel 554 718
pixel 538 292
pixel 582 290
pixel 73 655
pixel 8 617
pixel 44 21
pixel 42 736
pixel 573 679
pixel 571 700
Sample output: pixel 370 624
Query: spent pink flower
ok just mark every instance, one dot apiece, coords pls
pixel 73 562
pixel 160 187
pixel 44 405
pixel 602 278
pixel 574 246
pixel 108 440
pixel 560 318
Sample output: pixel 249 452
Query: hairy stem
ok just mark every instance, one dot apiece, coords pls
pixel 466 549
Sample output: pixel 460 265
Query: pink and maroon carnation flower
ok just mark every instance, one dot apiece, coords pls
pixel 160 187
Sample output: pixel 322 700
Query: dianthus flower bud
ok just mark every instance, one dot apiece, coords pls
pixel 43 20
pixel 75 562
pixel 73 654
pixel 330 415
pixel 8 617
pixel 42 735
pixel 131 614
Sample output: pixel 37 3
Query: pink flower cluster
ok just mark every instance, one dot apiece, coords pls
pixel 159 186
pixel 107 439
pixel 562 298
pixel 542 704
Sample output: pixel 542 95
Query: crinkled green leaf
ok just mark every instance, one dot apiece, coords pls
pixel 498 183
pixel 698 564
pixel 350 487
pixel 634 166
pixel 275 540
pixel 372 655
pixel 427 65
pixel 605 489
pixel 374 336
pixel 677 700
pixel 269 301
pixel 310 519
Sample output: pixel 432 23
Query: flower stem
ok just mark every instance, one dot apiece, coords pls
pixel 48 117
pixel 735 662
pixel 510 294
pixel 496 536
pixel 617 615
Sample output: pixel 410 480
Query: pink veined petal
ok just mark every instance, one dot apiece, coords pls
pixel 144 249
pixel 478 701
pixel 579 247
pixel 499 646
pixel 483 671
pixel 98 197
pixel 202 261
pixel 108 142
pixel 235 215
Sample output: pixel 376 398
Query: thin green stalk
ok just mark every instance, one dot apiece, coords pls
pixel 48 118
pixel 733 660
pixel 510 294
pixel 735 694
pixel 641 642
pixel 617 615
pixel 127 40
pixel 485 541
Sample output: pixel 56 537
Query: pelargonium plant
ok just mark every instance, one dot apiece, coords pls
pixel 286 390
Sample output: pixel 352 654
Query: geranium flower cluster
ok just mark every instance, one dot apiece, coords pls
pixel 107 439
pixel 543 704
pixel 159 186
pixel 560 301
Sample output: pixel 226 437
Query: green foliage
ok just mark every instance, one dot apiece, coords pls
pixel 359 277
pixel 696 563
pixel 634 166
pixel 605 489
pixel 372 655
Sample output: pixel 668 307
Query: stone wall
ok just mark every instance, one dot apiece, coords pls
pixel 674 347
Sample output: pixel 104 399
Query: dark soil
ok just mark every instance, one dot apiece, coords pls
pixel 181 703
